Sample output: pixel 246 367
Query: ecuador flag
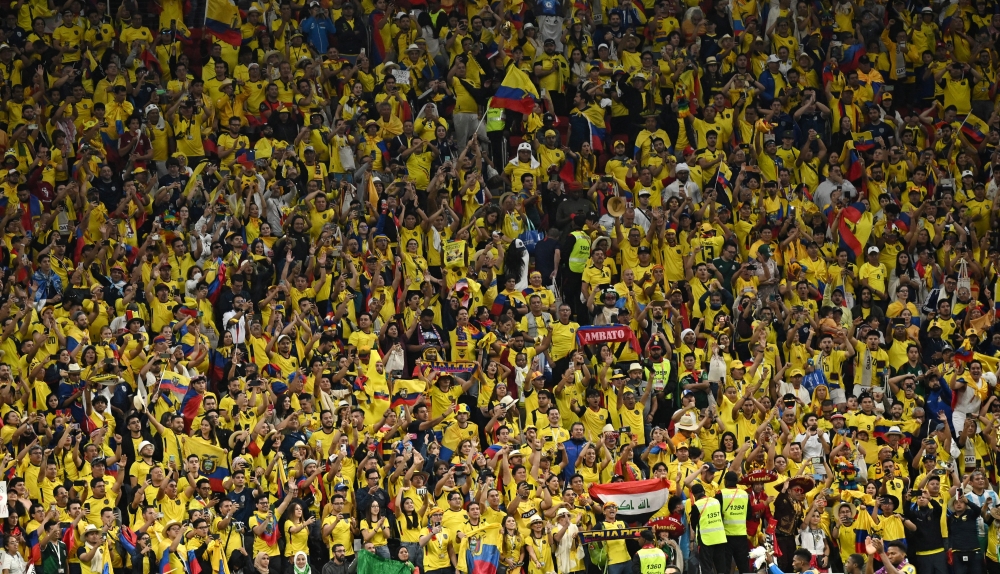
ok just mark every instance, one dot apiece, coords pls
pixel 975 129
pixel 222 18
pixel 480 550
pixel 214 460
pixel 854 227
pixel 516 92
pixel 406 392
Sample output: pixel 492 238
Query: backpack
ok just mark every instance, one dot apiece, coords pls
pixel 598 552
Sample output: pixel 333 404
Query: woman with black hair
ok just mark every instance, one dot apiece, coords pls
pixel 11 556
pixel 410 520
pixel 374 528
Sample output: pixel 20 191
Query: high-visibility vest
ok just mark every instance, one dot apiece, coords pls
pixel 581 252
pixel 734 511
pixel 494 118
pixel 711 530
pixel 652 561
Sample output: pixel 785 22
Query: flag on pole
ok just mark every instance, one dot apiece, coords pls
pixel 176 384
pixel 516 92
pixel 975 129
pixel 863 141
pixel 215 286
pixel 222 18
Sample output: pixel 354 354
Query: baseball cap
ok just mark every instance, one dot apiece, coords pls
pixel 872 249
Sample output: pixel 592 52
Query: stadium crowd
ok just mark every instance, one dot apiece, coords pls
pixel 341 287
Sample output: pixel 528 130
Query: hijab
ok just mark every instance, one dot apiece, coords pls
pixel 298 570
pixel 258 565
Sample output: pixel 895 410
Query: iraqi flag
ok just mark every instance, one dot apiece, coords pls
pixel 637 500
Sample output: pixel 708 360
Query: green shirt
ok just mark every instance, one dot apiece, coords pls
pixel 727 269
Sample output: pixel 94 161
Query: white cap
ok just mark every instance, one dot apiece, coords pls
pixel 602 45
pixel 773 59
pixel 968 173
pixel 872 249
pixel 562 512
pixel 524 146
pixel 5 47
pixel 143 445
pixel 682 167
pixel 151 108
pixel 528 26
pixel 13 172
pixel 534 518
pixel 389 63
pixel 413 47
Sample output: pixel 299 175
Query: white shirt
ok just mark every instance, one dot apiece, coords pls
pixel 237 328
pixel 812 446
pixel 802 393
pixel 674 190
pixel 15 564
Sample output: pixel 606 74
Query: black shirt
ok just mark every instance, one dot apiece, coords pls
pixel 111 192
pixel 352 35
pixel 420 435
pixel 927 536
pixel 880 129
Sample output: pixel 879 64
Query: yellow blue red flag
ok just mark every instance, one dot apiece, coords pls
pixel 480 550
pixel 214 460
pixel 516 92
pixel 222 18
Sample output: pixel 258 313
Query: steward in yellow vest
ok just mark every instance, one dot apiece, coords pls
pixel 706 516
pixel 649 559
pixel 735 509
